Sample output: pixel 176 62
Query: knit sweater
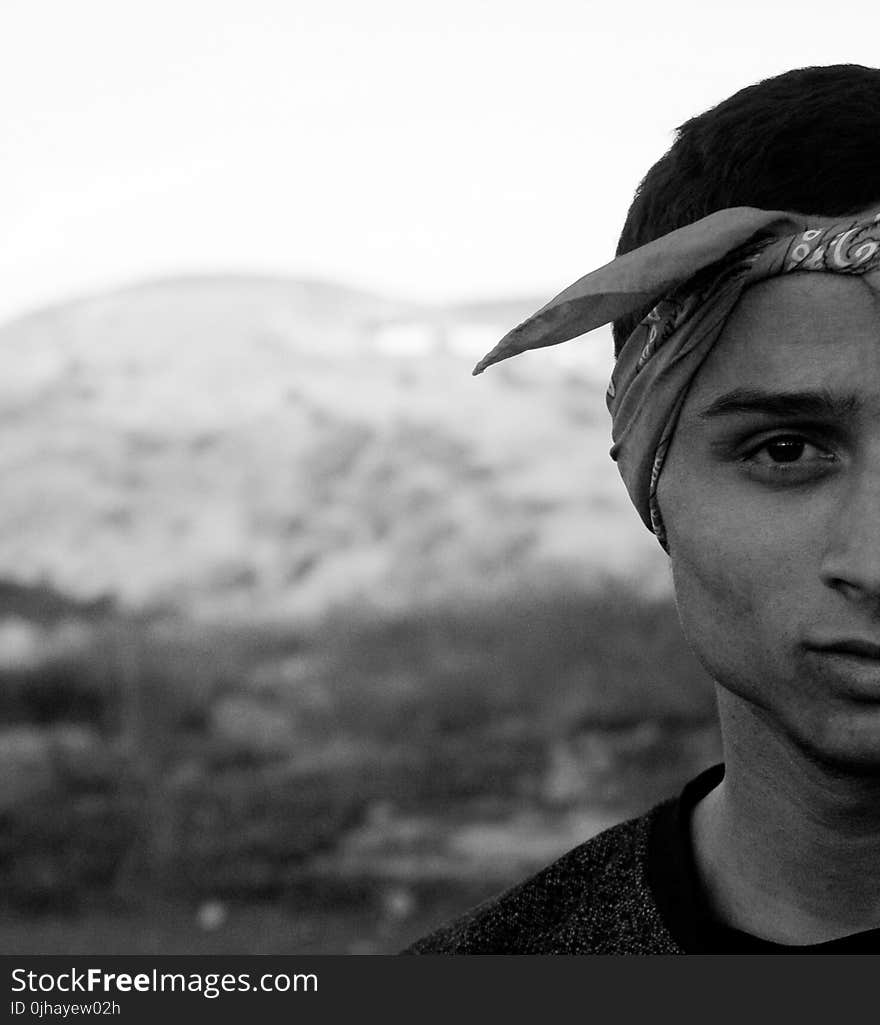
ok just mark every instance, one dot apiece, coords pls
pixel 633 889
pixel 594 900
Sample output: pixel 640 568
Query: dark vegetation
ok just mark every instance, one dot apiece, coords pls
pixel 149 763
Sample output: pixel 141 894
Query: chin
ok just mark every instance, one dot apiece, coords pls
pixel 848 741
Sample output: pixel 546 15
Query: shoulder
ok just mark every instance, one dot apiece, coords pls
pixel 594 899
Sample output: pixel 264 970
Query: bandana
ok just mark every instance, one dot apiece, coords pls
pixel 698 274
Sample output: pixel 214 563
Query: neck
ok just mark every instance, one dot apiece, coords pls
pixel 787 848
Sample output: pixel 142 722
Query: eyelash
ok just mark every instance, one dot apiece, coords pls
pixel 793 466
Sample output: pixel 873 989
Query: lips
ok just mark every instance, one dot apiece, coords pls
pixel 860 648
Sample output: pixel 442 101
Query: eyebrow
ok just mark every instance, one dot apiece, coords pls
pixel 821 404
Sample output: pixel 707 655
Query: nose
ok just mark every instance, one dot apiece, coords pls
pixel 851 561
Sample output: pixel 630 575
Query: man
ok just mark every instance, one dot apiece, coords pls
pixel 745 409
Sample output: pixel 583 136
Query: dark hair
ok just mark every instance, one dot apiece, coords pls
pixel 807 141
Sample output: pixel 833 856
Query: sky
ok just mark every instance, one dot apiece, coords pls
pixel 427 151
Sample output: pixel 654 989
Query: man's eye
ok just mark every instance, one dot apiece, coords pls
pixel 785 450
pixel 788 449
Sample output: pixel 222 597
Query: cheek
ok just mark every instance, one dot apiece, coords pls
pixel 706 551
pixel 726 616
pixel 718 595
pixel 729 583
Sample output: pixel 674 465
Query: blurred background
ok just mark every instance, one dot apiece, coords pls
pixel 308 639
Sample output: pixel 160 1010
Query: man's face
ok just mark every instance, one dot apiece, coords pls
pixel 771 500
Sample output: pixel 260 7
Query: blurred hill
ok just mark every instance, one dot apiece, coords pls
pixel 259 447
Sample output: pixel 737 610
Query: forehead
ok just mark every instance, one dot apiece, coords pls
pixel 798 331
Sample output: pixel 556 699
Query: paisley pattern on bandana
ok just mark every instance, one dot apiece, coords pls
pixel 661 322
pixel 841 252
